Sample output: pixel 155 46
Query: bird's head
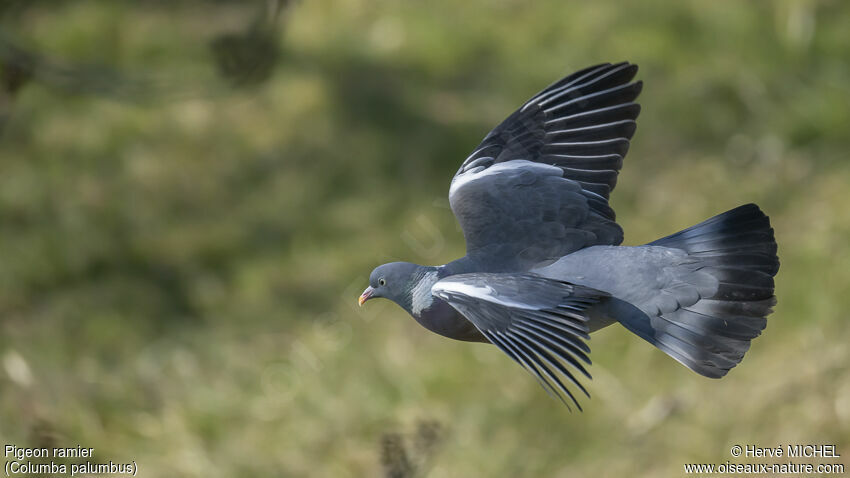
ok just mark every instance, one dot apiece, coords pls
pixel 393 281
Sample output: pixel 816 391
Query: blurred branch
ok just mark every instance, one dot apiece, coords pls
pixel 248 58
pixel 21 66
pixel 401 461
pixel 245 58
pixel 242 59
pixel 394 456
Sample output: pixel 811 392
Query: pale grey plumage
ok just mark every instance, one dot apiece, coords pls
pixel 544 267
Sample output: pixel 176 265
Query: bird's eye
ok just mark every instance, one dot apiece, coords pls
pixel 382 282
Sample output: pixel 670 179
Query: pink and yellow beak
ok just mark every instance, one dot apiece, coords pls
pixel 366 295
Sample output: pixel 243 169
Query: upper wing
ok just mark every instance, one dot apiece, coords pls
pixel 579 128
pixel 538 322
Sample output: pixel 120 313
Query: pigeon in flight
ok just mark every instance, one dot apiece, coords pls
pixel 544 267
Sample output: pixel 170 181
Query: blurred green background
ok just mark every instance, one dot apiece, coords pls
pixel 192 195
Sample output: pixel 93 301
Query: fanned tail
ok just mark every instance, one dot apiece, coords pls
pixel 712 335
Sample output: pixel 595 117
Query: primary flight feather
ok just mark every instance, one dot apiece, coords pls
pixel 543 265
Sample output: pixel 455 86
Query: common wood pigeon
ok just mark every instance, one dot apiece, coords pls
pixel 544 267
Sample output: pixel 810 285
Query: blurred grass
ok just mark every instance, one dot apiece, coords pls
pixel 178 278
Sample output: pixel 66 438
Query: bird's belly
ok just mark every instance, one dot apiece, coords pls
pixel 443 319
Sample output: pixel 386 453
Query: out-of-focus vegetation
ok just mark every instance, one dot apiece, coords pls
pixel 179 265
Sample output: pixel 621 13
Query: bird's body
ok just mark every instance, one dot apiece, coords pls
pixel 544 264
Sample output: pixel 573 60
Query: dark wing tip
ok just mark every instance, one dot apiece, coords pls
pixel 638 87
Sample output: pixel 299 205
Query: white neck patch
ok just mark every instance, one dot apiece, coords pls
pixel 420 296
